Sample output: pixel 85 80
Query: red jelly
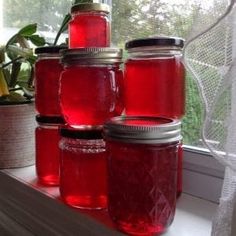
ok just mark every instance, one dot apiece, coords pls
pixel 155 78
pixel 83 180
pixel 91 86
pixel 142 173
pixel 47 75
pixel 90 25
pixel 47 149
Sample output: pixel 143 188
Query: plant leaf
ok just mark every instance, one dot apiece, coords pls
pixel 14 74
pixel 28 30
pixel 37 40
pixel 3 84
pixel 63 28
pixel 2 54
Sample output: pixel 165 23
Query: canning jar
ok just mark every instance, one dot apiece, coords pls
pixel 47 149
pixel 90 25
pixel 83 169
pixel 47 75
pixel 91 86
pixel 142 172
pixel 154 77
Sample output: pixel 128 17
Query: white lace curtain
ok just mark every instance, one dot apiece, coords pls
pixel 210 55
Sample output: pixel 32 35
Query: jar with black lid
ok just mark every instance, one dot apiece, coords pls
pixel 154 77
pixel 83 179
pixel 47 149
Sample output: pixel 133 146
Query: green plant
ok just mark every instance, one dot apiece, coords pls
pixel 17 65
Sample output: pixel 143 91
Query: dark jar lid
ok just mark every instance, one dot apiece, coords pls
pixel 49 49
pixel 50 120
pixel 138 129
pixel 161 41
pixel 80 134
pixel 91 56
pixel 90 7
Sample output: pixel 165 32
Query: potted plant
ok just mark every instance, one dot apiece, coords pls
pixel 16 107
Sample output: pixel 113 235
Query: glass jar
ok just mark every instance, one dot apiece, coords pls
pixel 83 170
pixel 47 75
pixel 90 25
pixel 91 86
pixel 142 172
pixel 47 149
pixel 154 77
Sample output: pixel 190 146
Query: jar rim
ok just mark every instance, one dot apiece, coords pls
pixel 90 7
pixel 140 129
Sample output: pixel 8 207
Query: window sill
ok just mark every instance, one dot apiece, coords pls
pixel 40 211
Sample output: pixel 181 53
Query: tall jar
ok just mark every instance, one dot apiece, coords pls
pixel 47 149
pixel 47 75
pixel 155 77
pixel 83 169
pixel 91 86
pixel 142 172
pixel 90 25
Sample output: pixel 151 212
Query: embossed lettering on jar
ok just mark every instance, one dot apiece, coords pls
pixel 91 86
pixel 142 172
pixel 47 149
pixel 83 175
pixel 155 77
pixel 90 25
pixel 47 75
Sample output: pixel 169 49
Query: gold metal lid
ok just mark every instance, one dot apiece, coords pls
pixel 90 7
pixel 91 56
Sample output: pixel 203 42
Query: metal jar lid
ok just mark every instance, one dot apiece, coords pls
pixel 80 134
pixel 91 56
pixel 49 49
pixel 49 120
pixel 157 42
pixel 147 130
pixel 90 7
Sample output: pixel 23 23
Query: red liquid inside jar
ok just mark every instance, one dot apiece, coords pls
pixel 155 87
pixel 89 29
pixel 47 155
pixel 142 186
pixel 47 75
pixel 91 94
pixel 83 181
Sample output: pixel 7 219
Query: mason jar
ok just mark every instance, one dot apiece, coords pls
pixel 91 86
pixel 154 77
pixel 142 172
pixel 47 149
pixel 90 25
pixel 83 169
pixel 47 75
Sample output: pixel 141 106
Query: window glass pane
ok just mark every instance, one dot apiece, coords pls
pixel 130 19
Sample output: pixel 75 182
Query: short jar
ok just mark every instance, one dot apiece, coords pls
pixel 83 169
pixel 47 149
pixel 91 86
pixel 47 75
pixel 154 77
pixel 142 172
pixel 89 26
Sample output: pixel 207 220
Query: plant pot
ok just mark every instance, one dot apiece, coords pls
pixel 17 142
